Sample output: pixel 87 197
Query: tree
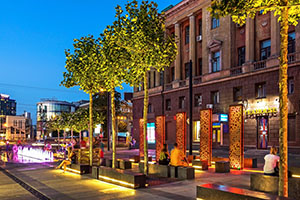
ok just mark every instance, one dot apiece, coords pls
pixel 113 69
pixel 82 65
pixel 56 124
pixel 289 14
pixel 143 35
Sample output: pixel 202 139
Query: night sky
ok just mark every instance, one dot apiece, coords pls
pixel 33 37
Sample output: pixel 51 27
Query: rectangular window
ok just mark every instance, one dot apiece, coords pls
pixel 291 85
pixel 196 132
pixel 291 128
pixel 198 100
pixel 200 26
pixel 154 78
pixel 161 76
pixel 215 23
pixel 265 49
pixel 149 108
pixel 149 80
pixel 237 94
pixel 215 97
pixel 199 66
pixel 182 102
pixel 186 70
pixel 216 61
pixel 172 73
pixel 241 56
pixel 168 104
pixel 291 42
pixel 187 34
pixel 260 90
pixel 15 123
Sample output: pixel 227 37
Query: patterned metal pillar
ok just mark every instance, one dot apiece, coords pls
pixel 159 134
pixel 236 135
pixel 141 122
pixel 181 131
pixel 206 135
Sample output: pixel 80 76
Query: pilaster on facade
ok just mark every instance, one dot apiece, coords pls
pixel 275 36
pixel 192 50
pixel 178 56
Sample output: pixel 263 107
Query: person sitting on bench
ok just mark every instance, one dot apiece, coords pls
pixel 271 162
pixel 70 159
pixel 164 157
pixel 177 157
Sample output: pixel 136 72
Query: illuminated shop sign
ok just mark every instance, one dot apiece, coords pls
pixel 265 111
pixel 223 118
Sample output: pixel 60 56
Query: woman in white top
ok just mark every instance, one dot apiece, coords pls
pixel 271 160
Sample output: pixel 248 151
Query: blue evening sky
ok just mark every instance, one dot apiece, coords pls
pixel 33 37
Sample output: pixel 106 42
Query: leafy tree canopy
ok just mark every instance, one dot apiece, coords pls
pixel 241 9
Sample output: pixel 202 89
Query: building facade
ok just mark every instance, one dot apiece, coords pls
pixel 47 109
pixel 7 105
pixel 231 64
pixel 16 127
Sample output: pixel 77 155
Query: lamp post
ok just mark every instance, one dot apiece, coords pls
pixel 191 108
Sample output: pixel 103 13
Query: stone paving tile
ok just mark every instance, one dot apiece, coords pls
pixel 10 190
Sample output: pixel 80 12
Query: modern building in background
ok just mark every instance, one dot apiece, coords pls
pixel 16 127
pixel 48 108
pixel 7 105
pixel 231 64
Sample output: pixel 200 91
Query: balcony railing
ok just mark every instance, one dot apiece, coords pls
pixel 182 83
pixel 260 65
pixel 236 71
pixel 197 80
pixel 168 86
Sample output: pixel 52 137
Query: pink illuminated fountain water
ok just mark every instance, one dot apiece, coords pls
pixel 35 153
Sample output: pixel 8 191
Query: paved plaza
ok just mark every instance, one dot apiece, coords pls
pixel 51 183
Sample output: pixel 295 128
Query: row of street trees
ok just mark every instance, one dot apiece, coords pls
pixel 124 53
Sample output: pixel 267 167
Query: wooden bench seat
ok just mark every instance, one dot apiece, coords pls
pixel 218 192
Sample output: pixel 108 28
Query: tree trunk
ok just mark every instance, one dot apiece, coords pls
pixel 64 135
pixel 283 105
pixel 58 136
pixel 146 99
pixel 91 130
pixel 113 124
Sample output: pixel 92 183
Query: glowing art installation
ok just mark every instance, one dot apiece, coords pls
pixel 206 135
pixel 141 123
pixel 236 137
pixel 159 134
pixel 181 131
pixel 39 154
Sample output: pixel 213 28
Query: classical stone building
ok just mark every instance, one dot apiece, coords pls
pixel 232 64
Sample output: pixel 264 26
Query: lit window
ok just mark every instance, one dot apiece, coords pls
pixel 196 132
pixel 260 90
pixel 151 133
pixel 215 23
pixel 149 108
pixel 216 61
pixel 291 42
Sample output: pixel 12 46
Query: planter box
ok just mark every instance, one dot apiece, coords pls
pixel 222 167
pixel 158 170
pixel 186 173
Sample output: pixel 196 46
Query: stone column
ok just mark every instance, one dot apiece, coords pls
pixel 192 50
pixel 275 36
pixel 178 57
pixel 152 84
pixel 250 40
pixel 297 39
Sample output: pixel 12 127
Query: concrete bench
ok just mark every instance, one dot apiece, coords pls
pixel 121 177
pixel 79 168
pixel 222 167
pixel 269 184
pixel 124 164
pixel 186 173
pixel 213 191
pixel 158 170
pixel 200 164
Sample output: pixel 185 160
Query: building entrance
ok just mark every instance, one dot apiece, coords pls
pixel 262 132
